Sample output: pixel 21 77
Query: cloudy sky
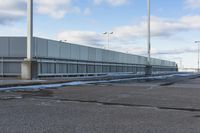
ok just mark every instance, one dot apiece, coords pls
pixel 175 24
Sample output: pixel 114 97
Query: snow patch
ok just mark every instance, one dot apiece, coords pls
pixel 78 83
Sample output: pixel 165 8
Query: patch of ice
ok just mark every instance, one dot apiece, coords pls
pixel 77 83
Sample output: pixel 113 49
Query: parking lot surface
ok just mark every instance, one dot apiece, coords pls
pixel 124 107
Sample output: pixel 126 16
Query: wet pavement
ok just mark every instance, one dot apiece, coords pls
pixel 161 106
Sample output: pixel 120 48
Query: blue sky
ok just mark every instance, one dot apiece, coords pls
pixel 175 24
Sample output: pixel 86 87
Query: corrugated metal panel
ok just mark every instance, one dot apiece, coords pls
pixel 41 47
pixel 75 50
pixel 82 68
pixel 72 68
pixel 65 51
pixel 144 60
pixel 116 57
pixel 91 68
pixel 119 69
pixel 130 69
pixel 120 58
pixel 124 57
pixel 113 68
pixel 98 68
pixel 105 56
pixel 125 69
pixel 4 47
pixel 105 69
pixel 133 59
pixel 61 68
pixel 129 60
pixel 17 47
pixel 53 49
pixel 111 56
pixel 99 56
pixel 91 54
pixel 83 53
pixel 12 68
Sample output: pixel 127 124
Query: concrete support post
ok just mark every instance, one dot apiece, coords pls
pixel 29 70
pixel 29 67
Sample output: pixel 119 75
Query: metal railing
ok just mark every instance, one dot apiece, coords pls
pixel 5 66
pixel 56 71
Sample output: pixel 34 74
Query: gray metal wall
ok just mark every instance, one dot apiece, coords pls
pixel 63 58
pixel 55 49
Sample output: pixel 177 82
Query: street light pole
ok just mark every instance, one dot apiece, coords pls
pixel 149 31
pixel 29 28
pixel 108 37
pixel 29 67
pixel 198 42
pixel 148 70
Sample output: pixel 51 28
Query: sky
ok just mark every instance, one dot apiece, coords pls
pixel 175 25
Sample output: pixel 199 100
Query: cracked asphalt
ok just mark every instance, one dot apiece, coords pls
pixel 126 107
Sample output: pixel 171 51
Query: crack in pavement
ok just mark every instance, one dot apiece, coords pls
pixel 101 103
pixel 126 105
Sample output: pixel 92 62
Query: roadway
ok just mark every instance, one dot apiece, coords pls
pixel 169 105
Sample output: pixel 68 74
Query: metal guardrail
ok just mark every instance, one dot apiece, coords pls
pixel 4 60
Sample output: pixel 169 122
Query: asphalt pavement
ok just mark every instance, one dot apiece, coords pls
pixel 156 106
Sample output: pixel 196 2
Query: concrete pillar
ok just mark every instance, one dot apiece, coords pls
pixel 29 69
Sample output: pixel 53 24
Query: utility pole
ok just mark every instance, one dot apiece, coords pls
pixel 149 31
pixel 148 70
pixel 29 28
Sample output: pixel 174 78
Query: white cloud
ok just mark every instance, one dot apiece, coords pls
pixel 124 36
pixel 55 8
pixel 87 11
pixel 193 3
pixel 111 2
pixel 159 27
pixel 12 10
pixel 175 51
pixel 81 37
